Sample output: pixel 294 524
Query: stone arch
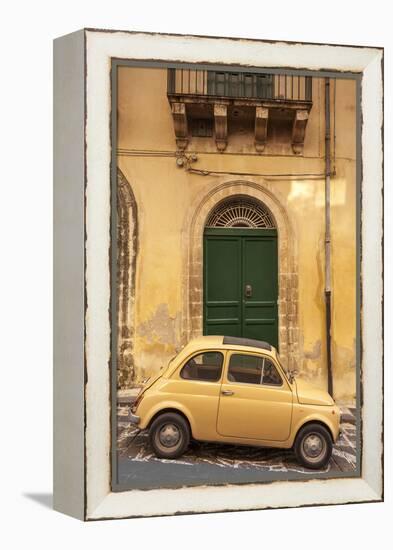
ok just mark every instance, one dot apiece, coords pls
pixel 127 249
pixel 287 264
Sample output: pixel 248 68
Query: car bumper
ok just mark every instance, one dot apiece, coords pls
pixel 134 419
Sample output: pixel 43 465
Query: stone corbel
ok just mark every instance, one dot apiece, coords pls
pixel 299 130
pixel 180 125
pixel 221 126
pixel 261 119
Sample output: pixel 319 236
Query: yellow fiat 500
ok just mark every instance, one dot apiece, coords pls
pixel 234 390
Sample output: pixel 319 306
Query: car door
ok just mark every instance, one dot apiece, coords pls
pixel 255 399
pixel 196 388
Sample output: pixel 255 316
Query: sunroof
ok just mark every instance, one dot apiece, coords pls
pixel 234 341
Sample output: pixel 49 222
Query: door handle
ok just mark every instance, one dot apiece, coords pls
pixel 248 291
pixel 227 392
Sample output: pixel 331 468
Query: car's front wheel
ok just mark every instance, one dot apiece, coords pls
pixel 169 435
pixel 313 446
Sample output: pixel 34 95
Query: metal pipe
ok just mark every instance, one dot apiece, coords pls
pixel 328 290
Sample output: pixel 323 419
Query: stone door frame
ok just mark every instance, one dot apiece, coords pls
pixel 192 315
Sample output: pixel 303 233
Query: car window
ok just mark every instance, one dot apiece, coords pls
pixel 245 368
pixel 271 375
pixel 253 369
pixel 204 366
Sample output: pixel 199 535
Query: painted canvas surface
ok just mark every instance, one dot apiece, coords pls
pixel 236 214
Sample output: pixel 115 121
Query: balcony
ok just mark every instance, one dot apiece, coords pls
pixel 202 102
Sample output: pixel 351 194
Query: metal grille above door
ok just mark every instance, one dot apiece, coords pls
pixel 241 211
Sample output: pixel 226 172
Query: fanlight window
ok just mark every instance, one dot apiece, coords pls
pixel 241 211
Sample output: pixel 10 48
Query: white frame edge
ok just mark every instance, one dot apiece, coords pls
pixel 101 46
pixel 69 274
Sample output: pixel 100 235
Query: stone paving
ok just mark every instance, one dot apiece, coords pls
pixel 133 445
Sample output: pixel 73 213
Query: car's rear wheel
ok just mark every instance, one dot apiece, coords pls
pixel 313 446
pixel 169 435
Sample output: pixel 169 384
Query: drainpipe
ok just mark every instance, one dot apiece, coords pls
pixel 328 291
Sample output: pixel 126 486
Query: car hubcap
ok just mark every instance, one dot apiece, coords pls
pixel 314 447
pixel 169 435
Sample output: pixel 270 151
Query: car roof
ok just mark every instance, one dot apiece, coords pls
pixel 223 342
pixel 246 342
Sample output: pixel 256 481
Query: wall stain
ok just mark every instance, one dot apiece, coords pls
pixel 160 339
pixel 312 364
pixel 161 328
pixel 344 369
pixel 315 353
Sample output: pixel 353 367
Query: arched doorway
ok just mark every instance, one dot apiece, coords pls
pixel 240 270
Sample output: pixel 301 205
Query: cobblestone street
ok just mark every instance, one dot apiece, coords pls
pixel 220 462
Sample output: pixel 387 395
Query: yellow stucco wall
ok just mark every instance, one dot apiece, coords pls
pixel 165 196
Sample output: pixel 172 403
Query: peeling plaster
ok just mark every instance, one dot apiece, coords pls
pixel 313 365
pixel 161 328
pixel 315 354
pixel 344 369
pixel 344 356
pixel 158 340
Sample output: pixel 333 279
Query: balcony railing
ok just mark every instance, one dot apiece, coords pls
pixel 236 85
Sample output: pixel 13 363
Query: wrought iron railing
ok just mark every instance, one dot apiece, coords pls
pixel 241 85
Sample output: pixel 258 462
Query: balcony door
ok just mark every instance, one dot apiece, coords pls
pixel 230 84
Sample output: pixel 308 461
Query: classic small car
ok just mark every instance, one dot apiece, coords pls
pixel 235 390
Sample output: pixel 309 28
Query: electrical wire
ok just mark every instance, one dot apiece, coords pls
pixel 206 172
pixel 220 172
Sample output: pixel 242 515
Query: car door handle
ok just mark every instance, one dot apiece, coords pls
pixel 227 392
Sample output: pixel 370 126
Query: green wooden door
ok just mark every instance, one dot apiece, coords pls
pixel 241 283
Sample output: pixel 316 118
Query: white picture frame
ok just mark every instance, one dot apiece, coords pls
pixel 82 383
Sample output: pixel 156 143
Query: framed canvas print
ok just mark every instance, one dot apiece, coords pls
pixel 218 274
